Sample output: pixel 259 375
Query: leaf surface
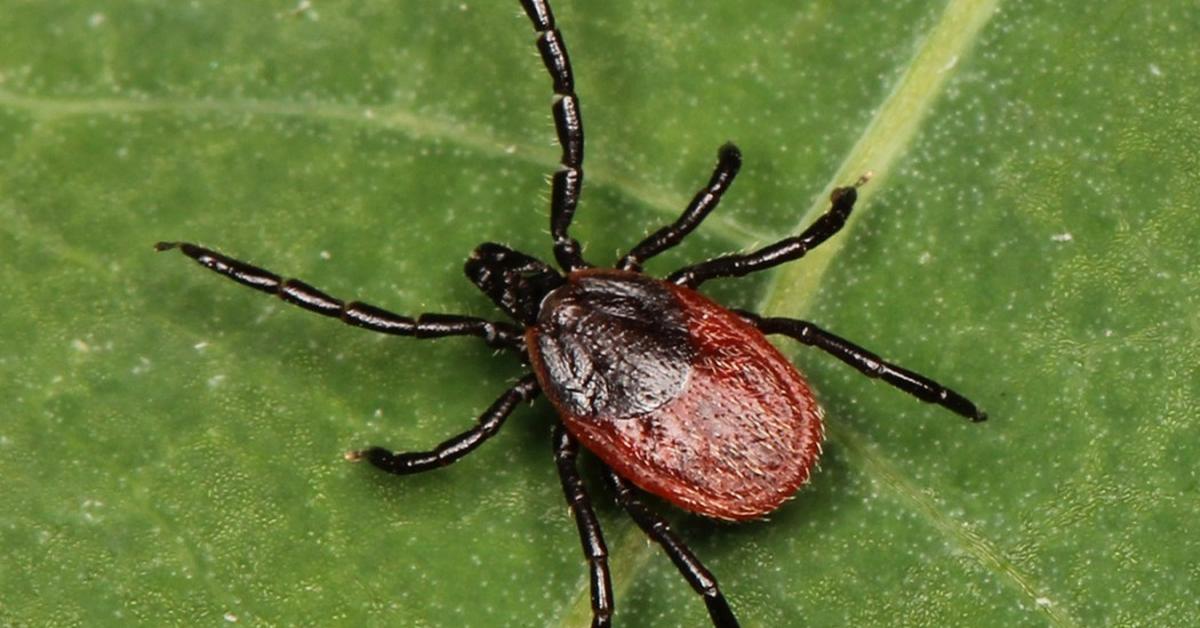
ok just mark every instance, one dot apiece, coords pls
pixel 172 443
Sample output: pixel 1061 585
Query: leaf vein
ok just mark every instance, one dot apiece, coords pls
pixel 391 118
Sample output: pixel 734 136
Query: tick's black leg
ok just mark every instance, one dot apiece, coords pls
pixel 786 250
pixel 403 463
pixel 296 292
pixel 564 190
pixel 868 363
pixel 729 160
pixel 594 550
pixel 660 532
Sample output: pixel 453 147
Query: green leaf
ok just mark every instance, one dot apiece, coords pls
pixel 172 444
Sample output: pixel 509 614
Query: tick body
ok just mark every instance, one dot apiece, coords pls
pixel 676 395
pixel 682 396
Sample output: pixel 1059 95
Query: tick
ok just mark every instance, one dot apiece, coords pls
pixel 676 395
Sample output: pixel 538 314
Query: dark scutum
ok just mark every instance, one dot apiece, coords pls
pixel 614 344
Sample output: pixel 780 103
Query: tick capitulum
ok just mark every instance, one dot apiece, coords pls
pixel 676 395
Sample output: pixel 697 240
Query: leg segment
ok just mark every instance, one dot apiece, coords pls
pixel 404 463
pixel 564 191
pixel 785 250
pixel 868 363
pixel 660 532
pixel 565 452
pixel 296 292
pixel 729 161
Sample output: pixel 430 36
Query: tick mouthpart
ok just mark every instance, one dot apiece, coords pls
pixel 165 246
pixel 866 176
pixel 354 455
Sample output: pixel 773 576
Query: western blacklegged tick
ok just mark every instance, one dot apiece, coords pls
pixel 675 394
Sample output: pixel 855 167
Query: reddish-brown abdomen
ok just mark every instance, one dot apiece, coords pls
pixel 731 434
